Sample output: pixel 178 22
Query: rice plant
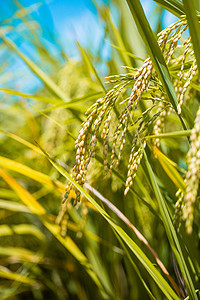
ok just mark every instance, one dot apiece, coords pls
pixel 99 189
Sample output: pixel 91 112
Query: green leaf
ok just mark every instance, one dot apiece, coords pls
pixel 188 116
pixel 169 168
pixel 22 254
pixel 136 269
pixel 74 102
pixel 13 206
pixel 22 229
pixel 116 36
pixel 6 273
pixel 173 6
pixel 50 84
pixel 38 210
pixel 38 98
pixel 22 141
pixel 197 292
pixel 127 52
pixel 160 281
pixel 90 66
pixel 35 175
pixel 173 134
pixel 171 233
pixel 194 27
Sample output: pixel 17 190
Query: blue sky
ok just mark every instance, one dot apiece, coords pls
pixel 69 21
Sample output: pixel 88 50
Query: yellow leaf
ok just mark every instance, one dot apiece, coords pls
pixel 169 167
pixel 36 208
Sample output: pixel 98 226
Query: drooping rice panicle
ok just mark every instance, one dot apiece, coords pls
pixel 178 209
pixel 189 76
pixel 145 85
pixel 192 175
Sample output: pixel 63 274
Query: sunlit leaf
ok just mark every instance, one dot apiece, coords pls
pixel 173 6
pixel 50 84
pixel 37 209
pixel 21 229
pixel 160 281
pixel 36 175
pixel 194 27
pixel 90 66
pixel 34 97
pixel 169 168
pixel 171 233
pixel 7 274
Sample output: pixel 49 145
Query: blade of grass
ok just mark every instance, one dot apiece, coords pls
pixel 22 141
pixel 188 116
pixel 194 27
pixel 164 286
pixel 7 194
pixel 76 101
pixel 173 6
pixel 7 274
pixel 37 209
pixel 54 121
pixel 34 97
pixel 171 233
pixel 170 169
pixel 116 36
pixel 135 267
pixel 90 66
pixel 22 254
pixel 49 83
pixel 174 134
pixel 10 292
pixel 18 254
pixel 125 51
pixel 10 164
pixel 136 231
pixel 22 229
pixel 43 178
pixel 13 206
pixel 35 175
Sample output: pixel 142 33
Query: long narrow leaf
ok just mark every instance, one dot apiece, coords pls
pixel 171 233
pixel 74 102
pixel 127 52
pixel 173 6
pixel 5 273
pixel 174 134
pixel 160 281
pixel 194 27
pixel 35 97
pixel 37 209
pixel 90 65
pixel 13 206
pixel 170 169
pixel 115 34
pixel 50 84
pixel 36 175
pixel 22 229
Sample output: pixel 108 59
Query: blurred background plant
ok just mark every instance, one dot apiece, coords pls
pixel 54 57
